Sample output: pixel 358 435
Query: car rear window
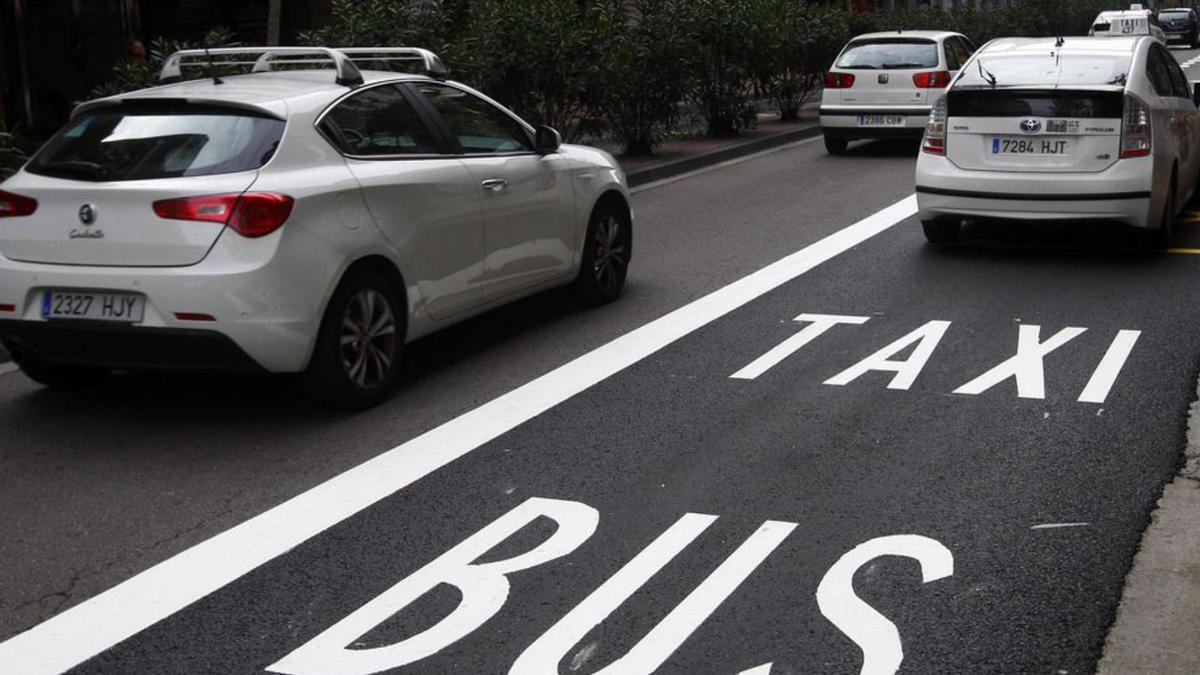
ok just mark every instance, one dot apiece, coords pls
pixel 889 54
pixel 1050 70
pixel 1017 103
pixel 127 143
pixel 1174 14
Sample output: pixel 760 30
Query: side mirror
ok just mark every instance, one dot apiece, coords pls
pixel 546 140
pixel 1196 93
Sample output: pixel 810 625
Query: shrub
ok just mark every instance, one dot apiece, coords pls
pixel 652 71
pixel 728 41
pixel 132 74
pixel 798 42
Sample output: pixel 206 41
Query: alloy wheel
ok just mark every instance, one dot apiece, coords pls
pixel 608 260
pixel 368 338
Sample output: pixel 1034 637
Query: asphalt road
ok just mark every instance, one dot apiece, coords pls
pixel 1038 497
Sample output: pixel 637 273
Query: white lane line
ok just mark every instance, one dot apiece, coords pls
pixel 79 633
pixel 1190 62
pixel 9 367
pixel 1055 526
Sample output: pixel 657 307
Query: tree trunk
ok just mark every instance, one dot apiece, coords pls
pixel 274 12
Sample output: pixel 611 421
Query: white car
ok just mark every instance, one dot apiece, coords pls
pixel 1074 129
pixel 882 84
pixel 293 221
pixel 1128 22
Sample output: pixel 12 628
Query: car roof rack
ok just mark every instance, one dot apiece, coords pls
pixel 343 59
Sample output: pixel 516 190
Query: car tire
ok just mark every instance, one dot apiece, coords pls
pixel 60 376
pixel 356 361
pixel 835 145
pixel 607 250
pixel 941 231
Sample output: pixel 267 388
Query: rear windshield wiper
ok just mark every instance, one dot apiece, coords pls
pixel 75 167
pixel 861 67
pixel 986 74
pixel 906 65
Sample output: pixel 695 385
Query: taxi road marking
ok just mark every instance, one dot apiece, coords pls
pixel 83 631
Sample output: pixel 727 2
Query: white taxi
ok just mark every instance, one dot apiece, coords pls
pixel 1123 23
pixel 1073 129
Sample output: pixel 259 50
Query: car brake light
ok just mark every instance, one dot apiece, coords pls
pixel 935 80
pixel 935 131
pixel 253 214
pixel 839 80
pixel 16 205
pixel 1135 129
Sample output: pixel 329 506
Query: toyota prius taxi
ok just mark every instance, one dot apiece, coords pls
pixel 1070 129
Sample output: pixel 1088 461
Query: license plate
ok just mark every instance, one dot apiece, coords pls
pixel 93 306
pixel 880 121
pixel 1031 146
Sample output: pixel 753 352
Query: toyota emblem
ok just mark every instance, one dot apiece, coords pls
pixel 87 214
pixel 1031 126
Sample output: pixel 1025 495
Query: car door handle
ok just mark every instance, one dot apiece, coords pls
pixel 494 184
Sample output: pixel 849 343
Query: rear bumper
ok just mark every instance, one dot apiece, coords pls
pixel 1122 193
pixel 261 301
pixel 121 346
pixel 843 122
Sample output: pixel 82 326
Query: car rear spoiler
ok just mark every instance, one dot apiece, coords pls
pixel 343 59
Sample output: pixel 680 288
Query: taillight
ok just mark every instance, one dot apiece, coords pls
pixel 934 80
pixel 935 131
pixel 839 80
pixel 1135 129
pixel 253 214
pixel 16 205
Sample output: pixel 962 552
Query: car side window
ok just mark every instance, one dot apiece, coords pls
pixel 479 127
pixel 1159 73
pixel 380 121
pixel 961 53
pixel 952 60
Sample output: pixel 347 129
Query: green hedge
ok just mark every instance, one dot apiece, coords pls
pixel 631 69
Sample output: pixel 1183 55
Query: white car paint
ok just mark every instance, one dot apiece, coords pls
pixel 1092 183
pixel 888 91
pixel 460 249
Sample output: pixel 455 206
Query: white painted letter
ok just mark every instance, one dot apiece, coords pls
pixel 1110 366
pixel 818 325
pixel 907 370
pixel 870 630
pixel 1026 366
pixel 543 656
pixel 484 589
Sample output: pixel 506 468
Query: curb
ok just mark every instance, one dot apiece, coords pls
pixel 688 164
pixel 1155 630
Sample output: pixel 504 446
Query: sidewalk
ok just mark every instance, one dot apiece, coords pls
pixel 1157 629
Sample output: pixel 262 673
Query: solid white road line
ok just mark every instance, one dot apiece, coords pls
pixel 722 165
pixel 97 624
pixel 9 367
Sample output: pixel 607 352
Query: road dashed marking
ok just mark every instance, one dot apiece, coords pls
pixel 1190 62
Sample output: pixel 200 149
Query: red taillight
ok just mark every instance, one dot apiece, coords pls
pixel 253 214
pixel 839 80
pixel 7 307
pixel 935 80
pixel 16 205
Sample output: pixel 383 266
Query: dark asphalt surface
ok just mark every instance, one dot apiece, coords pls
pixel 674 434
pixel 102 485
pixel 97 486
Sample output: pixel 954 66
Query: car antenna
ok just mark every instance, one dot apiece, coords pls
pixel 212 71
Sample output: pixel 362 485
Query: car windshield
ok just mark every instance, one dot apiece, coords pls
pixel 115 144
pixel 888 54
pixel 1064 70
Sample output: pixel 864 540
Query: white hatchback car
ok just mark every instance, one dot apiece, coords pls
pixel 291 220
pixel 882 85
pixel 1074 129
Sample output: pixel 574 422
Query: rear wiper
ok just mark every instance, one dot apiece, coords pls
pixel 986 74
pixel 905 65
pixel 74 166
pixel 862 67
